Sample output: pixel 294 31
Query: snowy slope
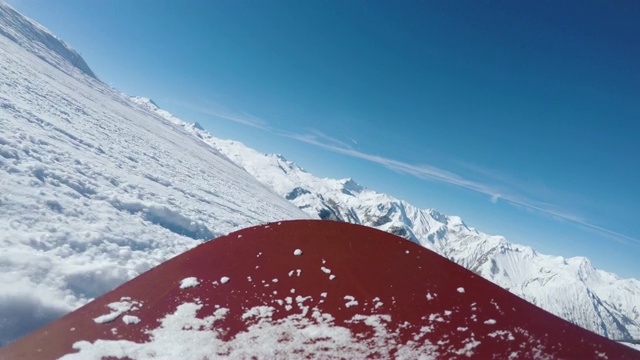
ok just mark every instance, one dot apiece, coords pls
pixel 94 188
pixel 312 290
pixel 37 40
pixel 570 288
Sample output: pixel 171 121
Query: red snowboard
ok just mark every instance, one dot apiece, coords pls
pixel 302 289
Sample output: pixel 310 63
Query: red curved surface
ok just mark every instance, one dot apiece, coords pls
pixel 426 298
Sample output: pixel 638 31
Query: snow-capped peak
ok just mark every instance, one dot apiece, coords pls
pixel 145 102
pixel 351 186
pixel 128 188
pixel 570 288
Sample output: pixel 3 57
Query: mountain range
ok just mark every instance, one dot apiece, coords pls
pixel 571 288
pixel 98 187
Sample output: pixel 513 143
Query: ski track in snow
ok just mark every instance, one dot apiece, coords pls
pixel 95 189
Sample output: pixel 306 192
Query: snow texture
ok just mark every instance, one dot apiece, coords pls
pixel 306 333
pixel 189 282
pixel 117 309
pixel 351 301
pixel 130 319
pixel 95 187
pixel 40 42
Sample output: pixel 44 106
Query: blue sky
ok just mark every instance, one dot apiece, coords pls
pixel 521 117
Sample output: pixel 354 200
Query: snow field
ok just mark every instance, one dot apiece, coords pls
pixel 95 189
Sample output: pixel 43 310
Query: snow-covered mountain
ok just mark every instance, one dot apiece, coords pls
pixel 570 288
pixel 94 189
pixel 97 187
pixel 40 42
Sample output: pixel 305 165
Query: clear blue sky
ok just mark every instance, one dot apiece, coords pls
pixel 521 117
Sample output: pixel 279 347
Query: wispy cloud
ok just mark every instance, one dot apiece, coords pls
pixel 578 220
pixel 498 187
pixel 317 137
pixel 529 188
pixel 352 140
pixel 506 192
pixel 426 172
pixel 221 112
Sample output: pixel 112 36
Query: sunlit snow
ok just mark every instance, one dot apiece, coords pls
pixel 95 187
pixel 351 301
pixel 182 334
pixel 130 319
pixel 607 304
pixel 189 282
pixel 117 309
pixel 98 187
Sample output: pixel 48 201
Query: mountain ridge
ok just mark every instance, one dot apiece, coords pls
pixel 41 42
pixel 107 168
pixel 601 301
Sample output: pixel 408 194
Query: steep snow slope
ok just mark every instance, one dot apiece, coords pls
pixel 348 291
pixel 570 288
pixel 95 189
pixel 34 38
